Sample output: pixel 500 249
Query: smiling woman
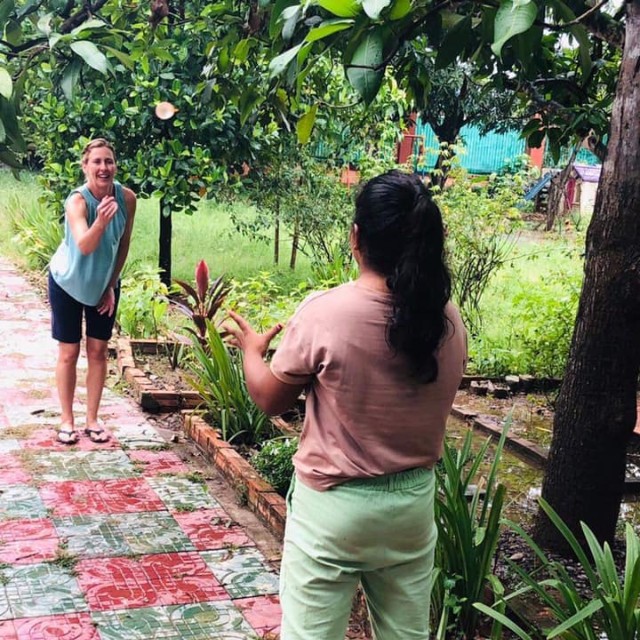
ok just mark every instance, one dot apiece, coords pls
pixel 84 281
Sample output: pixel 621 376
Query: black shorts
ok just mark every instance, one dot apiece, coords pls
pixel 66 316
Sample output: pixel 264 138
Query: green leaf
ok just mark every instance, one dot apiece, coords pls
pixel 513 17
pixel 504 620
pixel 6 9
pixel 373 8
pixel 587 612
pixel 584 49
pixel 363 72
pixel 305 125
pixel 92 23
pixel 10 159
pixel 91 55
pixel 281 62
pixel 249 99
pixel 400 9
pixel 44 24
pixel 3 133
pixel 6 84
pixel 454 43
pixel 124 58
pixel 70 78
pixel 274 21
pixel 327 28
pixel 341 8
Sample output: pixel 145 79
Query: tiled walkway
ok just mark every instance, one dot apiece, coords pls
pixel 115 541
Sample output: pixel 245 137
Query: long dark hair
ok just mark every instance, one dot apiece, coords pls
pixel 401 236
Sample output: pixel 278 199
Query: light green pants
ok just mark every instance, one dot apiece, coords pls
pixel 380 532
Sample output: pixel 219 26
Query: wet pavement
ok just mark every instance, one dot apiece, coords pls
pixel 114 541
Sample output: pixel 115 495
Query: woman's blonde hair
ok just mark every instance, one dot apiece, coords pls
pixel 97 143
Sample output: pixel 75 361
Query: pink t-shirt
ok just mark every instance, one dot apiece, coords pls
pixel 365 416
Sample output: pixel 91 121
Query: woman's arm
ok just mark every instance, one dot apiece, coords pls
pixel 107 302
pixel 88 237
pixel 270 394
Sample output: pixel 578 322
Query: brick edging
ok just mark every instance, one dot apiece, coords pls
pixel 150 397
pixel 250 486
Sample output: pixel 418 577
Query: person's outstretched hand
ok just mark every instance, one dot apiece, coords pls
pixel 246 338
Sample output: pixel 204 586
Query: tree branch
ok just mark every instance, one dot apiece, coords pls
pixel 81 15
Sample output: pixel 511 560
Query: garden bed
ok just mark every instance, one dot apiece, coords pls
pixel 147 366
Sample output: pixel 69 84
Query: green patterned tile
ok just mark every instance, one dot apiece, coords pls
pixel 122 534
pixel 137 436
pixel 154 532
pixel 21 501
pixel 181 494
pixel 42 590
pixel 92 536
pixel 218 620
pixel 243 572
pixel 54 466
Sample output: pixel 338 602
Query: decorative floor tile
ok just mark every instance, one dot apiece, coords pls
pixel 172 578
pixel 70 626
pixel 53 466
pixel 7 630
pixel 12 471
pixel 27 541
pixel 243 572
pixel 202 621
pixel 153 463
pixel 212 529
pixel 99 496
pixel 137 436
pixel 181 494
pixel 21 501
pixel 48 439
pixel 262 612
pixel 42 590
pixel 122 534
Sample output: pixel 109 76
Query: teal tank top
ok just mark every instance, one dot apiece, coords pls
pixel 85 278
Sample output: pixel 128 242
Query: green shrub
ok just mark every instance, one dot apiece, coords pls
pixel 216 373
pixel 37 229
pixel 142 310
pixel 275 462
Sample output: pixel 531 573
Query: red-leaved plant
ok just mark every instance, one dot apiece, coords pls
pixel 203 301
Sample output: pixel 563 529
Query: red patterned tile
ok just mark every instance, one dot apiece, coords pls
pixel 35 529
pixel 28 541
pixel 71 626
pixel 88 497
pixel 47 439
pixel 12 471
pixel 153 463
pixel 212 529
pixel 162 579
pixel 7 631
pixel 263 613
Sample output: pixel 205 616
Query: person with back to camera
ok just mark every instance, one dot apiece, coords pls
pixel 84 279
pixel 381 359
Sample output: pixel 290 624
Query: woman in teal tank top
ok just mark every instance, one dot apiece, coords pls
pixel 84 281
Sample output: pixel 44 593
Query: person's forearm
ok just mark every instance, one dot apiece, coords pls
pixel 121 258
pixel 90 239
pixel 257 373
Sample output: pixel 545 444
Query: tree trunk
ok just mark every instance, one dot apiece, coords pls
pixel 276 237
pixel 596 408
pixel 164 248
pixel 555 201
pixel 295 243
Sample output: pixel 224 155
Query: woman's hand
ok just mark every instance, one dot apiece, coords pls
pixel 106 211
pixel 107 303
pixel 246 338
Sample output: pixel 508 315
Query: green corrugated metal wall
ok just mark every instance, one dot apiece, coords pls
pixel 486 153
